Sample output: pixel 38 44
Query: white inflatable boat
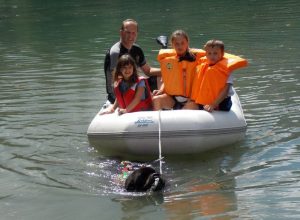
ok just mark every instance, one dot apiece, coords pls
pixel 180 131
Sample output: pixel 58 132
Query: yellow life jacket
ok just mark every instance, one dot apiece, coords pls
pixel 210 80
pixel 178 75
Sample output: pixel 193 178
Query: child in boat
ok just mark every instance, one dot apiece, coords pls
pixel 212 86
pixel 178 69
pixel 132 92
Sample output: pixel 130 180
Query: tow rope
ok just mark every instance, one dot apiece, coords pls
pixel 159 142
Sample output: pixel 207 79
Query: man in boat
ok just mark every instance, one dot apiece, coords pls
pixel 126 45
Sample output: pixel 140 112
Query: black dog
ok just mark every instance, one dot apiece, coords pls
pixel 144 179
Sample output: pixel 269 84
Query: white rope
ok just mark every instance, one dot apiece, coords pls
pixel 159 142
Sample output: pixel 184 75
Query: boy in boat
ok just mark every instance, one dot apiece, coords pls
pixel 212 86
pixel 132 92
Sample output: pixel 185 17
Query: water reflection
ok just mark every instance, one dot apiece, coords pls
pixel 208 200
pixel 135 207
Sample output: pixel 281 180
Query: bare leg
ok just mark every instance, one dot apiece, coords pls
pixel 191 105
pixel 163 101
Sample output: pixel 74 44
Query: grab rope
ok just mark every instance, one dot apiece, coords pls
pixel 159 142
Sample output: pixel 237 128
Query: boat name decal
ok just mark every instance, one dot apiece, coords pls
pixel 143 121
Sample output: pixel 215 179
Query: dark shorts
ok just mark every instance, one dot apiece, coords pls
pixel 225 105
pixel 111 98
pixel 178 105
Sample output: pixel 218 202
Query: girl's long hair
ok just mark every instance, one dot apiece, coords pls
pixel 179 33
pixel 125 60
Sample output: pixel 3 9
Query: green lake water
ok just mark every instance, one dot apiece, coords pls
pixel 52 84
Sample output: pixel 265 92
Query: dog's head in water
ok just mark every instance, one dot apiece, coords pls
pixel 144 179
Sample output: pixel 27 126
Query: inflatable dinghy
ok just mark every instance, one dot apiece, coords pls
pixel 179 132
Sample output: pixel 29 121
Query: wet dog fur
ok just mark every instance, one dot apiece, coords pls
pixel 144 179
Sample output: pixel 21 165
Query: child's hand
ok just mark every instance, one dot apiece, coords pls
pixel 108 111
pixel 122 111
pixel 157 92
pixel 209 108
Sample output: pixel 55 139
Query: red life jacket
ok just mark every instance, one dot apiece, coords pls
pixel 124 99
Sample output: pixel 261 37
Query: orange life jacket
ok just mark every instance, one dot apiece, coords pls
pixel 178 75
pixel 124 99
pixel 210 80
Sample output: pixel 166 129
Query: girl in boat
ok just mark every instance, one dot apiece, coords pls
pixel 132 91
pixel 177 68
